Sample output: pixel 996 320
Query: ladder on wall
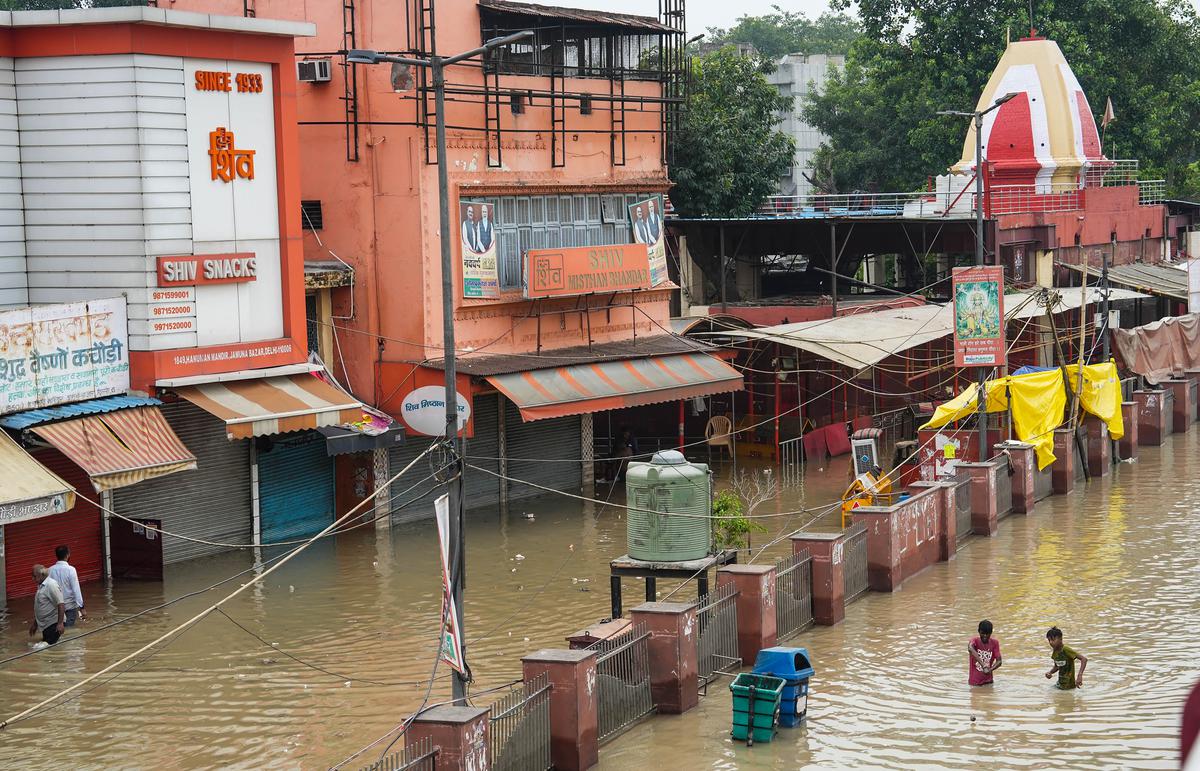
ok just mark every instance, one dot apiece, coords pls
pixel 491 114
pixel 616 116
pixel 426 102
pixel 350 81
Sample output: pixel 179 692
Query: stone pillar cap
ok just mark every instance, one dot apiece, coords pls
pixel 559 655
pixel 450 714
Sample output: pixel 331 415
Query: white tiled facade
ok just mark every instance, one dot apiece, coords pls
pixel 13 290
pixel 796 75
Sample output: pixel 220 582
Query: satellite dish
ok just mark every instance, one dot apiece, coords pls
pixel 402 78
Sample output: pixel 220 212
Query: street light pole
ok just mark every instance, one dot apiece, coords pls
pixel 977 115
pixel 458 552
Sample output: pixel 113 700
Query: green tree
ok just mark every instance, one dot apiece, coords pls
pixel 728 154
pixel 57 5
pixel 916 57
pixel 786 32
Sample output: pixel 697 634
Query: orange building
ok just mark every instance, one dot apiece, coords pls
pixel 555 143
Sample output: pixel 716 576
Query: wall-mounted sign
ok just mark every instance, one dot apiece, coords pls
pixel 645 218
pixel 979 316
pixel 226 160
pixel 424 410
pixel 195 270
pixel 477 228
pixel 586 270
pixel 246 82
pixel 53 354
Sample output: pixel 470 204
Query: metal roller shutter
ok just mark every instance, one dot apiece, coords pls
pixel 295 488
pixel 421 496
pixel 538 452
pixel 480 488
pixel 211 502
pixel 33 542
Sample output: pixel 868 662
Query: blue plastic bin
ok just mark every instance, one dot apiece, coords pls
pixel 793 666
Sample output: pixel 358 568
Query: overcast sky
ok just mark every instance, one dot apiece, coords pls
pixel 702 14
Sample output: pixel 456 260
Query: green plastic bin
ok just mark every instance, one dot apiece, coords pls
pixel 756 700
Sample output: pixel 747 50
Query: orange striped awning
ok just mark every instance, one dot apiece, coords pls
pixel 611 385
pixel 273 405
pixel 120 448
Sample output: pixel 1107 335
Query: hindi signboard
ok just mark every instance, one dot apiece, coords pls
pixel 54 354
pixel 645 219
pixel 979 316
pixel 452 649
pixel 579 270
pixel 477 228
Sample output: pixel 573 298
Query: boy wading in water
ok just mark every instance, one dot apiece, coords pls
pixel 1064 661
pixel 984 651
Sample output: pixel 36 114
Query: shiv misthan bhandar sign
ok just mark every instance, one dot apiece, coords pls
pixel 581 270
pixel 979 316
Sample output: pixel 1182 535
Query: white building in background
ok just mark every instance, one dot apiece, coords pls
pixel 796 76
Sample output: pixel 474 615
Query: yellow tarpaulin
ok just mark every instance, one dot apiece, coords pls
pixel 1038 402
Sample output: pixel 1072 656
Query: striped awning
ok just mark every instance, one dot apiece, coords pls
pixel 121 448
pixel 28 489
pixel 273 405
pixel 611 385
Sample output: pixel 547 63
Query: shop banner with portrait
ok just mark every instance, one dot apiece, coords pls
pixel 478 235
pixel 645 217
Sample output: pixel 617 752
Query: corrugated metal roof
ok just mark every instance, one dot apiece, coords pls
pixel 22 420
pixel 1162 280
pixel 628 20
pixel 483 365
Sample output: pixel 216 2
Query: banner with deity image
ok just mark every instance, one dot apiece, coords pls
pixel 478 236
pixel 979 316
pixel 645 218
pixel 54 354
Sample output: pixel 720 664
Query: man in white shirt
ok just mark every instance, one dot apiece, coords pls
pixel 67 578
pixel 653 222
pixel 48 612
pixel 470 232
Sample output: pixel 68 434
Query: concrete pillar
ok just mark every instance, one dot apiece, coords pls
pixel 674 669
pixel 947 520
pixel 755 607
pixel 1099 446
pixel 1024 462
pixel 902 539
pixel 1065 458
pixel 1127 445
pixel 460 732
pixel 383 501
pixel 1151 418
pixel 828 573
pixel 574 705
pixel 1182 410
pixel 985 513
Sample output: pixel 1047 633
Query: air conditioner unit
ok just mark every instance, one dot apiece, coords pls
pixel 313 71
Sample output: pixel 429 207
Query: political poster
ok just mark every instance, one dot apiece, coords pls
pixel 69 352
pixel 452 648
pixel 481 279
pixel 979 316
pixel 645 217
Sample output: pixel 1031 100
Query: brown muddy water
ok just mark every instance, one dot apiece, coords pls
pixel 1116 565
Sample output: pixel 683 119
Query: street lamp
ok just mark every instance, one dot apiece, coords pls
pixel 437 66
pixel 981 397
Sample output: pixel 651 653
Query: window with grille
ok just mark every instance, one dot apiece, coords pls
pixel 525 222
pixel 311 217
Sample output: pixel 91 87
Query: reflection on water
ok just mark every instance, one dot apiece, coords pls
pixel 1115 566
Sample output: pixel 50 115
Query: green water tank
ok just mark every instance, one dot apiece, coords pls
pixel 668 484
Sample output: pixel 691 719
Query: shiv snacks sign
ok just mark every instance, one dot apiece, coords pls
pixel 583 270
pixel 54 354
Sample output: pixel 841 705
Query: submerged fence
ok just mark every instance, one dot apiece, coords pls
pixel 519 727
pixel 717 644
pixel 962 509
pixel 1003 477
pixel 855 570
pixel 623 671
pixel 421 755
pixel 793 595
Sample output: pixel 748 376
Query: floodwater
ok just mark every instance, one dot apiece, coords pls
pixel 1116 566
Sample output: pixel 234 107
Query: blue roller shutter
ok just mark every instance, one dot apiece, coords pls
pixel 295 488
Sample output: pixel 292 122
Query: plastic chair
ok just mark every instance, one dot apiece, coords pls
pixel 719 433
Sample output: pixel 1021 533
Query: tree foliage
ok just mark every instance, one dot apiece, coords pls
pixel 58 5
pixel 786 32
pixel 728 154
pixel 916 57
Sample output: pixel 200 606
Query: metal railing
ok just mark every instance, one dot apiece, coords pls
pixel 1043 483
pixel 717 643
pixel 855 569
pixel 962 508
pixel 421 755
pixel 519 727
pixel 791 461
pixel 623 671
pixel 1151 191
pixel 1003 477
pixel 793 595
pixel 919 203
